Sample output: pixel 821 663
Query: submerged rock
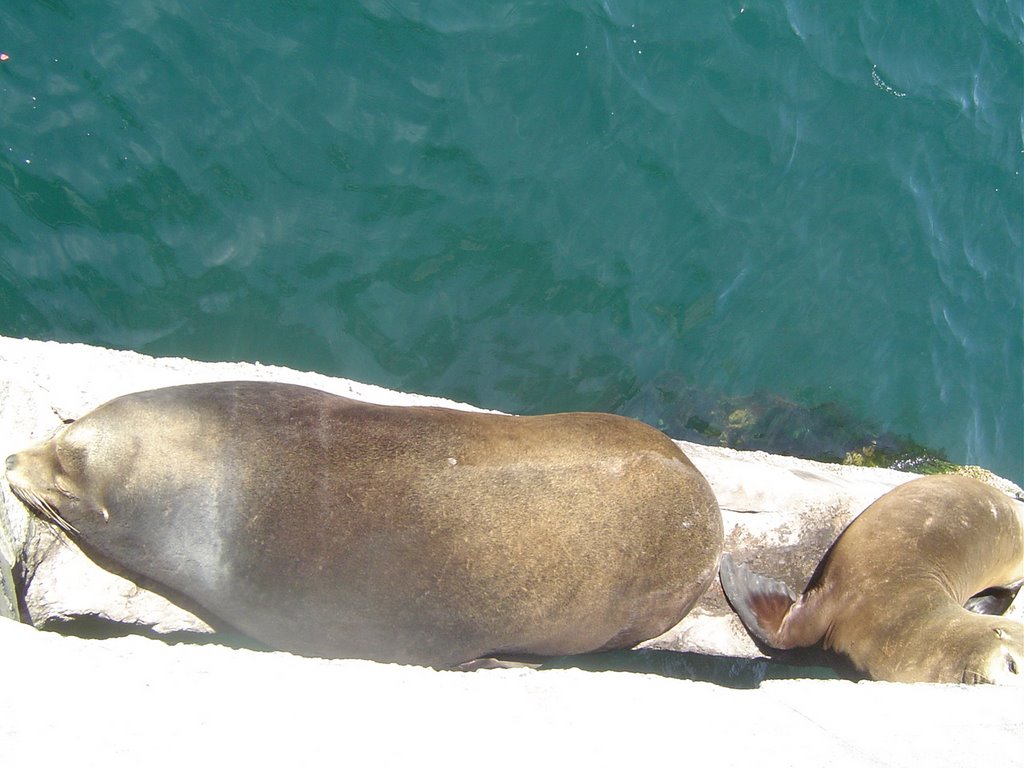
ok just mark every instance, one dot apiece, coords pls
pixel 827 432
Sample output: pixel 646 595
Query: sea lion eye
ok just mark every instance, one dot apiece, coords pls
pixel 1011 664
pixel 63 490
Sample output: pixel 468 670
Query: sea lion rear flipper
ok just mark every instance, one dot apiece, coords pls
pixel 762 603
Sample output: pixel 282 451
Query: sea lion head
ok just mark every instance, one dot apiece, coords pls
pixel 52 479
pixel 993 652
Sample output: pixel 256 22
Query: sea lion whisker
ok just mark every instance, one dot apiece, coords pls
pixel 49 513
pixel 970 677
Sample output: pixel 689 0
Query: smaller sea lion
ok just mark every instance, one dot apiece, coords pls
pixel 890 592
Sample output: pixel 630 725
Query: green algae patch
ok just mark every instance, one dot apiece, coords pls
pixel 827 432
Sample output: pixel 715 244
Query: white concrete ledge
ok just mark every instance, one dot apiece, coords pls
pixel 122 702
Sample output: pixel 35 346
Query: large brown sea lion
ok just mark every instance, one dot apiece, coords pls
pixel 890 592
pixel 331 527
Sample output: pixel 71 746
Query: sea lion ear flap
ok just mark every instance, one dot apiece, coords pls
pixel 762 603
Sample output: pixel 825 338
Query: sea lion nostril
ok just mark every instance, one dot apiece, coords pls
pixel 12 461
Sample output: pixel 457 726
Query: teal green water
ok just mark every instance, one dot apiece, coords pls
pixel 536 206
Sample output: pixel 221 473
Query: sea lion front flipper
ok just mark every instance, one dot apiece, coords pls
pixel 765 606
pixel 994 601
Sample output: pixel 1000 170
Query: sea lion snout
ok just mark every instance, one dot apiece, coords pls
pixel 36 480
pixel 15 470
pixel 24 469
